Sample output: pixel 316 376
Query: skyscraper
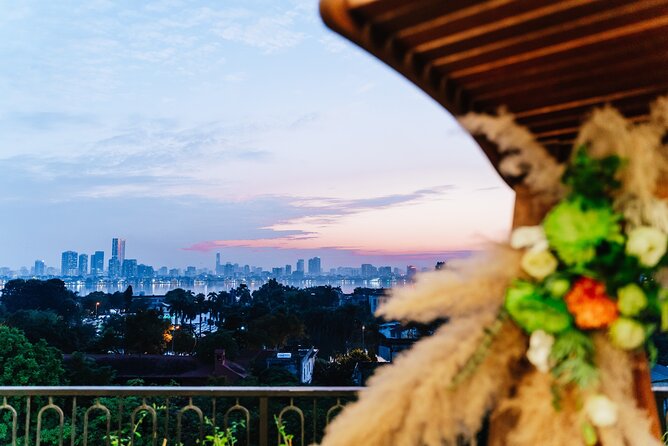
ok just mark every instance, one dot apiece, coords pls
pixel 288 270
pixel 83 264
pixel 219 267
pixel 39 267
pixel 97 263
pixel 129 268
pixel 300 265
pixel 314 267
pixel 114 269
pixel 68 264
pixel 118 249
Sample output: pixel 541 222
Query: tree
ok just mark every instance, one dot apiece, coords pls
pixel 36 294
pixel 47 325
pixel 112 337
pixel 145 332
pixel 277 328
pixel 339 372
pixel 82 370
pixel 28 364
pixel 128 294
pixel 218 340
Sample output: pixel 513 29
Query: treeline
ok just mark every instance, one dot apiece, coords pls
pixel 274 316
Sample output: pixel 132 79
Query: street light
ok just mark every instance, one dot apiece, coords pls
pixel 174 328
pixel 363 346
pixel 97 304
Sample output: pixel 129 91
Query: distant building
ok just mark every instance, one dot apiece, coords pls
pixel 97 264
pixel 163 271
pixel 114 268
pixel 219 267
pixel 288 270
pixel 277 272
pixel 145 271
pixel 174 272
pixel 300 265
pixel 191 271
pixel 314 266
pixel 39 267
pixel 68 264
pixel 129 268
pixel 368 270
pixel 298 361
pixel 83 264
pixel 228 270
pixel 411 271
pixel 118 249
pixel 385 271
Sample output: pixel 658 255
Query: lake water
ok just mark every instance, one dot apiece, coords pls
pixel 159 287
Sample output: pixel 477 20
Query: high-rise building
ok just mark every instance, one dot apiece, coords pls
pixel 129 268
pixel 191 271
pixel 300 265
pixel 97 264
pixel 145 271
pixel 385 271
pixel 118 249
pixel 314 266
pixel 163 271
pixel 68 264
pixel 39 267
pixel 411 271
pixel 83 264
pixel 114 268
pixel 288 270
pixel 368 270
pixel 219 267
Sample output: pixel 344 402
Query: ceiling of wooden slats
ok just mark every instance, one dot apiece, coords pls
pixel 547 61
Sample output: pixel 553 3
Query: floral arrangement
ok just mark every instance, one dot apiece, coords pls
pixel 589 272
pixel 543 333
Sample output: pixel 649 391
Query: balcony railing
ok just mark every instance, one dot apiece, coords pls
pixel 161 416
pixel 166 416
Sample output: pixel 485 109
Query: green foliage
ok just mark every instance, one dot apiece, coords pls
pixel 208 344
pixel 47 325
pixel 285 438
pixel 145 332
pixel 222 437
pixel 533 311
pixel 35 294
pixel 27 364
pixel 84 371
pixel 575 230
pixel 592 179
pixel 573 354
pixel 339 372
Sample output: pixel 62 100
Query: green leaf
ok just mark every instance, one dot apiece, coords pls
pixel 532 311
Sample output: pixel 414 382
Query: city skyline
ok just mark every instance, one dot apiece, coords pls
pixel 76 263
pixel 244 127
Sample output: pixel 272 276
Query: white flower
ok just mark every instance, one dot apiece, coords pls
pixel 540 346
pixel 601 411
pixel 539 264
pixel 529 237
pixel 647 244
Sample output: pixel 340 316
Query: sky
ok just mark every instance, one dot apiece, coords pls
pixel 240 127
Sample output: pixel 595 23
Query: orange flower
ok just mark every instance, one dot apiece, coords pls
pixel 590 305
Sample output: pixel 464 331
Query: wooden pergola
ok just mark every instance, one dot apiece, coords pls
pixel 549 62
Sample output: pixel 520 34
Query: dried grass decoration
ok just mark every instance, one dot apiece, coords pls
pixel 572 299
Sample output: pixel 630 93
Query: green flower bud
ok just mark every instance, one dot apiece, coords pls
pixel 631 300
pixel 589 434
pixel 558 287
pixel 664 315
pixel 626 333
